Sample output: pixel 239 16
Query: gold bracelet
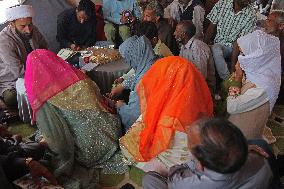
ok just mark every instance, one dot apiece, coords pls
pixel 28 160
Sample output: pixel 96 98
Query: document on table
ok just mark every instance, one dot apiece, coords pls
pixel 65 53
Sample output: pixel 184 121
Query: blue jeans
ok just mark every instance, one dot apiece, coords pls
pixel 221 53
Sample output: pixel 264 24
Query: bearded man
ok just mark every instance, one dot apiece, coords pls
pixel 17 40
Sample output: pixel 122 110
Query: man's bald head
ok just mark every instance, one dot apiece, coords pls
pixel 218 145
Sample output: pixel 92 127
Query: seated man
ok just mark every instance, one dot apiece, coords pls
pixel 17 40
pixel 221 160
pixel 154 12
pixel 192 10
pixel 116 17
pixel 229 19
pixel 18 158
pixel 195 51
pixel 76 28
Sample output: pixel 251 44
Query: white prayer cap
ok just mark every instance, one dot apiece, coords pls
pixel 20 11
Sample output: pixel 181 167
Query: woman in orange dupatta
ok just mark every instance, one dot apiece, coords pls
pixel 173 94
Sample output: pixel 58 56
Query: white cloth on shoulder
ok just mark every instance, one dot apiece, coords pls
pixel 19 11
pixel 261 62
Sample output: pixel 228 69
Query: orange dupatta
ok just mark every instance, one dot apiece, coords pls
pixel 173 94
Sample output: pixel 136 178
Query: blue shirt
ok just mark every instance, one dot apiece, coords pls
pixel 112 9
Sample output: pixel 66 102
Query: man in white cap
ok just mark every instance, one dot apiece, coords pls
pixel 17 40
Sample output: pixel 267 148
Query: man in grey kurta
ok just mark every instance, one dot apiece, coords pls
pixel 17 40
pixel 222 161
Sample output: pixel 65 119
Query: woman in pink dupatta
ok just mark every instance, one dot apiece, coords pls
pixel 71 115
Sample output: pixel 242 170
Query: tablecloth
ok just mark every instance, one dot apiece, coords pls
pixel 104 75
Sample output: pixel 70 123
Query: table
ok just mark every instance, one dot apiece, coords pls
pixel 104 75
pixel 25 110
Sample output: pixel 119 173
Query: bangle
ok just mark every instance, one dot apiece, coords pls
pixel 28 161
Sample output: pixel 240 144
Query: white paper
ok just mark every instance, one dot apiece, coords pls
pixel 65 53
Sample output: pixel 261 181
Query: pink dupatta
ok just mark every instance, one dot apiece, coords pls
pixel 46 75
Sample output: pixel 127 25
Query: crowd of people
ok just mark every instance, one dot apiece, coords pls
pixel 183 58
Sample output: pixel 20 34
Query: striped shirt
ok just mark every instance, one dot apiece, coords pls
pixel 197 52
pixel 231 26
